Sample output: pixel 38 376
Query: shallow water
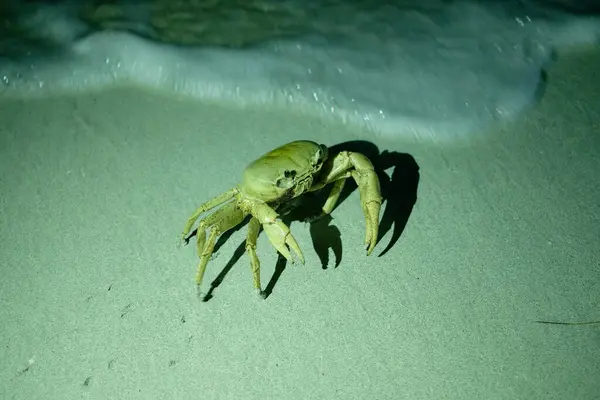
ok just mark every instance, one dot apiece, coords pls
pixel 439 72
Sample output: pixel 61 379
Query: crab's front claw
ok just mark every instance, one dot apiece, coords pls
pixel 371 208
pixel 280 237
pixel 370 197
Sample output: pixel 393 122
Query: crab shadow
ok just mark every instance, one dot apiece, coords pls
pixel 399 192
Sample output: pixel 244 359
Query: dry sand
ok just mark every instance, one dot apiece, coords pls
pixel 98 302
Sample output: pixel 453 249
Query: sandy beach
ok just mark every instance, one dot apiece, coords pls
pixel 98 301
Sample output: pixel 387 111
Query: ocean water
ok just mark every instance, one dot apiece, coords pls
pixel 438 70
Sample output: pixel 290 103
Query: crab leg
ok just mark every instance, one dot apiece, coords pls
pixel 217 223
pixel 251 238
pixel 220 199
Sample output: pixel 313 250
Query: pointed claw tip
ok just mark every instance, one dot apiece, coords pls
pixel 369 249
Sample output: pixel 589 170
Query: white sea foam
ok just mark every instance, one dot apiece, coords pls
pixel 405 72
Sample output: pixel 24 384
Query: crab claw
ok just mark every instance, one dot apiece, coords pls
pixel 281 238
pixel 371 211
pixel 370 196
pixel 278 233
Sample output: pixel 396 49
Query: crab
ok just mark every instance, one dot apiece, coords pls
pixel 272 181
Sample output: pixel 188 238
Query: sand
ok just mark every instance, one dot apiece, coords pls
pixel 98 301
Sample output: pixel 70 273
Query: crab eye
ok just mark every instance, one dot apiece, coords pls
pixel 321 155
pixel 287 181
